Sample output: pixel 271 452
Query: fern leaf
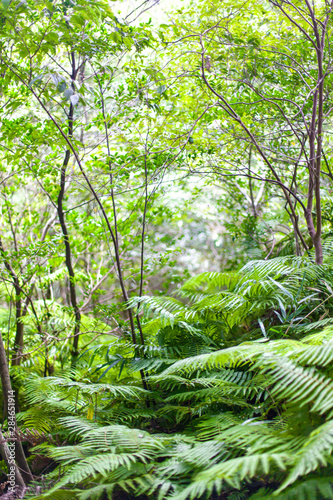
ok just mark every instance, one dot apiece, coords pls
pixel 313 454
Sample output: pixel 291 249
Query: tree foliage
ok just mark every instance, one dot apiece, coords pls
pixel 166 249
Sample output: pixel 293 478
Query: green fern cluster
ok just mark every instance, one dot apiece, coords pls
pixel 264 298
pixel 259 421
pixel 239 401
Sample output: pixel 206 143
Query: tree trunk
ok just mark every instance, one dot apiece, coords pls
pixel 318 250
pixel 19 336
pixel 61 215
pixel 7 457
pixel 9 401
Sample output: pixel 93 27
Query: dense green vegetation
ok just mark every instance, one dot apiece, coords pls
pixel 166 248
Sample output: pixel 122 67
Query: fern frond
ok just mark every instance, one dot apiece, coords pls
pixel 72 494
pixel 313 454
pixel 298 384
pixel 318 355
pixel 317 488
pixel 233 356
pixel 213 426
pixel 232 472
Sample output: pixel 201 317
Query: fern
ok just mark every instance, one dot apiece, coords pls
pixel 313 454
pixel 240 394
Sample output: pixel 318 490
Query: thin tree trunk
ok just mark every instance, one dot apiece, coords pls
pixel 68 252
pixel 7 394
pixel 19 335
pixel 317 243
pixel 68 258
pixel 18 342
pixel 7 457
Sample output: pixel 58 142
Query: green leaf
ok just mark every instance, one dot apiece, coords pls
pixel 161 89
pixel 36 79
